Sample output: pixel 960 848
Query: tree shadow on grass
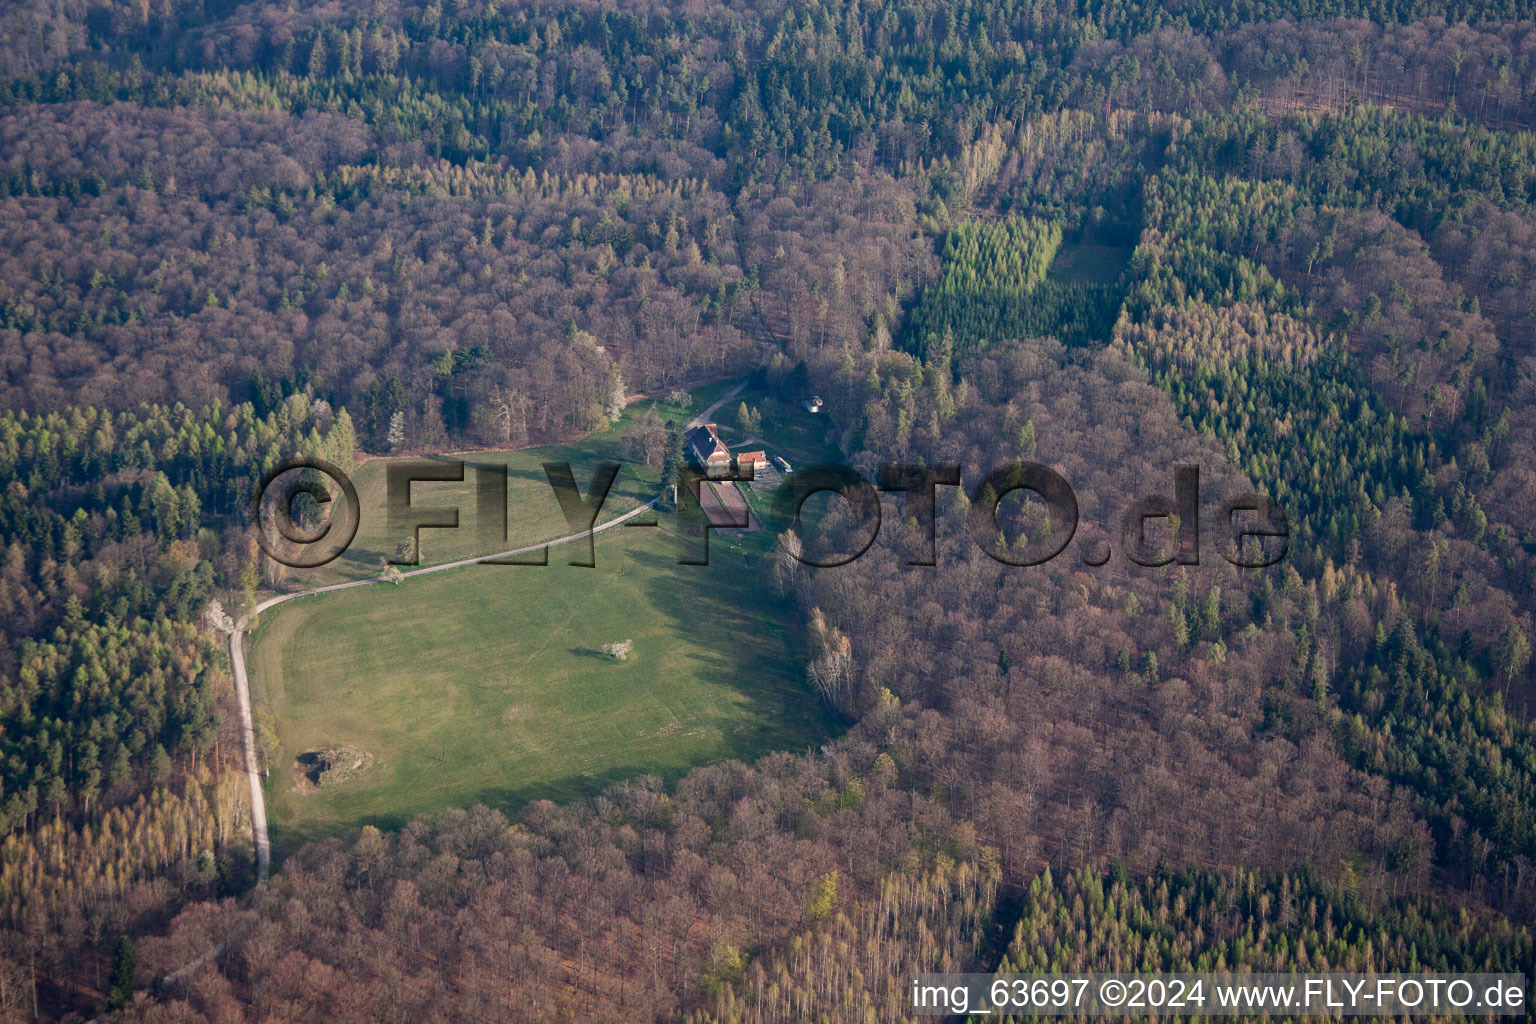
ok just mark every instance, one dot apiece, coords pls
pixel 535 474
pixel 362 557
pixel 729 611
pixel 592 652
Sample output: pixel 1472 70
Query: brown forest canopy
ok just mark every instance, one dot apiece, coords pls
pixel 1286 241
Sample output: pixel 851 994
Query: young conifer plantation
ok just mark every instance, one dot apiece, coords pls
pixel 1290 242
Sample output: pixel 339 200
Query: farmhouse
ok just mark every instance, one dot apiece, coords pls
pixel 707 452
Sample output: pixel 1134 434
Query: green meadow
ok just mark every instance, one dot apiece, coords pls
pixel 489 684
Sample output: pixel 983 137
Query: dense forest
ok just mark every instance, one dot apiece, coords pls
pixel 1287 241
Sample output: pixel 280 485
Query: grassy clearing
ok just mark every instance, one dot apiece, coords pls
pixel 1089 264
pixel 487 684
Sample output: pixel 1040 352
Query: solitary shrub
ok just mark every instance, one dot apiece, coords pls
pixel 620 650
